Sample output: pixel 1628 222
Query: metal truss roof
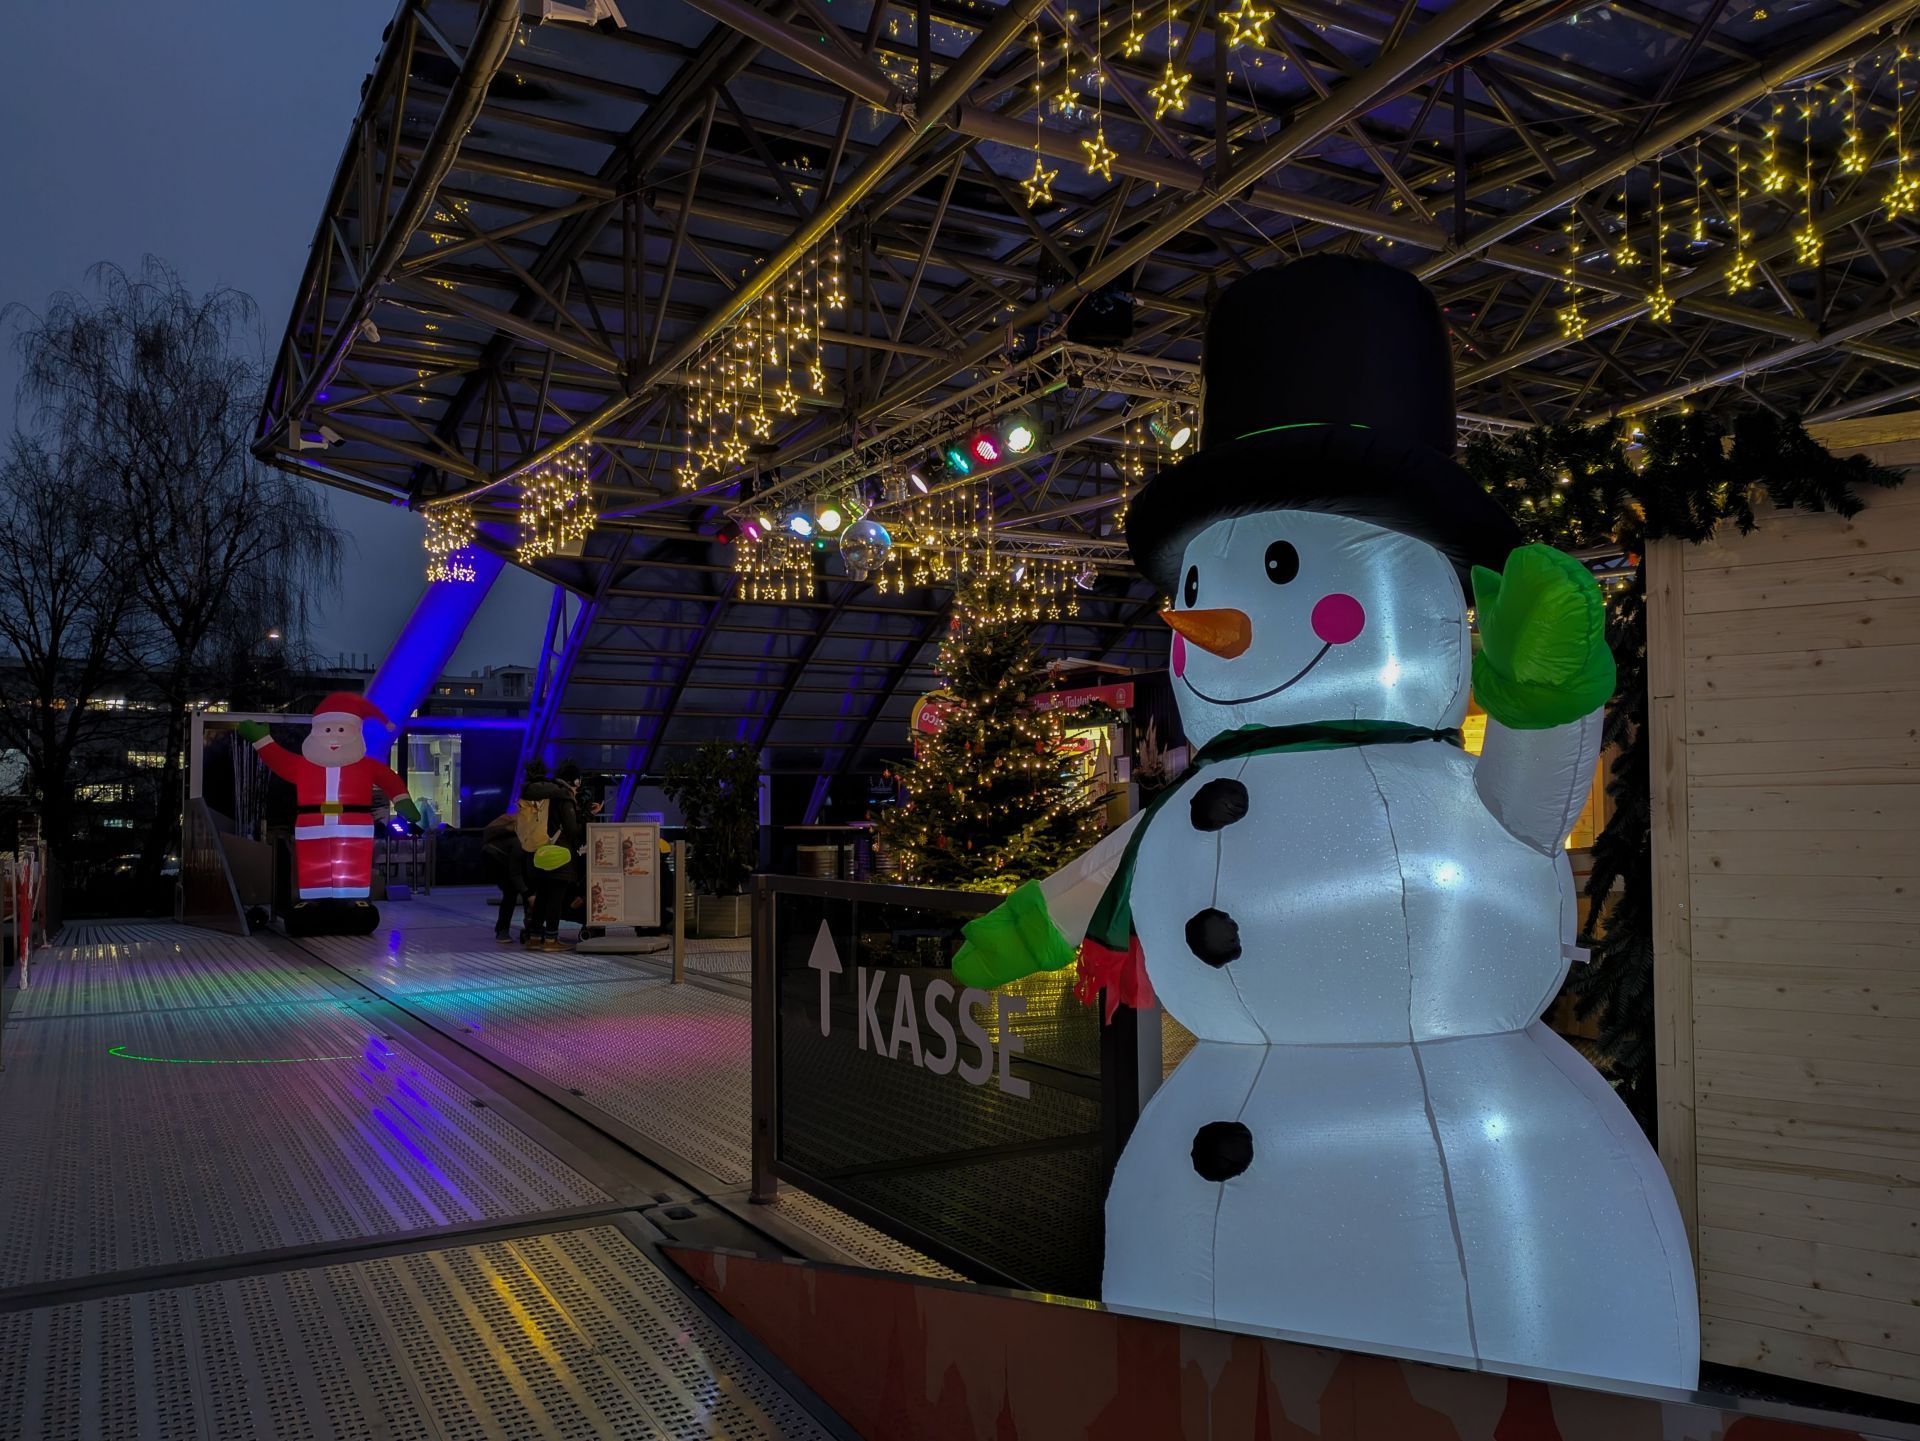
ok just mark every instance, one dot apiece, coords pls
pixel 538 220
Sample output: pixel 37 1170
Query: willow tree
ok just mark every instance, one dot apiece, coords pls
pixel 64 611
pixel 152 389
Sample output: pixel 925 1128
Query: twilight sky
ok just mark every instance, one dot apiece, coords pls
pixel 206 134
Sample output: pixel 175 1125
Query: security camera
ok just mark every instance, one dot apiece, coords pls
pixel 369 332
pixel 331 436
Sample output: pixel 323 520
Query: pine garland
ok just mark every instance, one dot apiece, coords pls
pixel 996 797
pixel 1588 487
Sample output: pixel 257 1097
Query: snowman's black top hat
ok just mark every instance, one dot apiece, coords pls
pixel 1326 385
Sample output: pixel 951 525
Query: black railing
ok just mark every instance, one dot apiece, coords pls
pixel 980 1129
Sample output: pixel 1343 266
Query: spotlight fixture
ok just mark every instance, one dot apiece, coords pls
pixel 829 517
pixel 984 448
pixel 1019 571
pixel 1086 577
pixel 917 481
pixel 728 532
pixel 1174 433
pixel 1020 435
pixel 766 522
pixel 752 529
pixel 957 462
pixel 800 524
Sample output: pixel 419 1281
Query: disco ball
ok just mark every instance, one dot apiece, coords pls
pixel 865 546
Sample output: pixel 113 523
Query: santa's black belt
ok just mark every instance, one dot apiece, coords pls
pixel 330 808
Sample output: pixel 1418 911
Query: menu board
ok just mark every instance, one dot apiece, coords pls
pixel 623 874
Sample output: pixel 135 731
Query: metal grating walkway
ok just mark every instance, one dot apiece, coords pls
pixel 226 1125
pixel 569 1336
pixel 670 1063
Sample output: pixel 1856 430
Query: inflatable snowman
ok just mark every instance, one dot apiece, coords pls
pixel 1375 1140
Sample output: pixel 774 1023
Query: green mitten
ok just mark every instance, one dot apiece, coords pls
pixel 1014 939
pixel 252 732
pixel 407 808
pixel 1543 659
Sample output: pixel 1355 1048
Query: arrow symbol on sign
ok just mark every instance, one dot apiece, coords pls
pixel 826 960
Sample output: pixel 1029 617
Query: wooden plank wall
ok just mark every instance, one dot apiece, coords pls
pixel 1784 681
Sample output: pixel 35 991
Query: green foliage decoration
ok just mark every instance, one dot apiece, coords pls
pixel 1614 487
pixel 717 789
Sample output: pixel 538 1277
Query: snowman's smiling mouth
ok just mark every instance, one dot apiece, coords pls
pixel 1245 699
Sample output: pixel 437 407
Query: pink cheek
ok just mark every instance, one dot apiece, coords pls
pixel 1179 655
pixel 1337 618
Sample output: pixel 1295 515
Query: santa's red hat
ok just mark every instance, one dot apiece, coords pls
pixel 343 702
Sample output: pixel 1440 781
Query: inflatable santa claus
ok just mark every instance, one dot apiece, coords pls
pixel 334 779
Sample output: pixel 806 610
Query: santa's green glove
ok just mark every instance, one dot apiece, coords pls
pixel 252 732
pixel 1543 658
pixel 407 808
pixel 1014 939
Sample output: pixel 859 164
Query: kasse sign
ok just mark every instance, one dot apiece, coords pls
pixel 894 1029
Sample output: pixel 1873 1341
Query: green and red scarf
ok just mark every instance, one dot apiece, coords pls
pixel 1110 958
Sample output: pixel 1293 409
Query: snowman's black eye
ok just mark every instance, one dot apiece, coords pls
pixel 1283 562
pixel 1192 591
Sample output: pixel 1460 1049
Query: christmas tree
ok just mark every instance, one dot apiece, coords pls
pixel 998 795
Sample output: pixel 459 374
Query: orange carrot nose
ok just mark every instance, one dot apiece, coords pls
pixel 1224 632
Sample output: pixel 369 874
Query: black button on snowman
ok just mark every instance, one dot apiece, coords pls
pixel 1361 924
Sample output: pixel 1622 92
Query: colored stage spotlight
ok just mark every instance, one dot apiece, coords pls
pixel 957 461
pixel 801 525
pixel 830 518
pixel 1020 435
pixel 984 448
pixel 1174 432
pixel 917 481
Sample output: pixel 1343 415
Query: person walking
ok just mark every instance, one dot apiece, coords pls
pixel 540 800
pixel 505 862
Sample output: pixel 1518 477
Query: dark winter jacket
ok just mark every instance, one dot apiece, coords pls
pixel 498 841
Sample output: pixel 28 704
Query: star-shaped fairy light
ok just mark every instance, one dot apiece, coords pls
pixel 1249 25
pixel 1100 155
pixel 788 399
pixel 1171 92
pixel 1039 185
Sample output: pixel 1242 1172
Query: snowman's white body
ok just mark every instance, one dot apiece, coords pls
pixel 1432 1170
